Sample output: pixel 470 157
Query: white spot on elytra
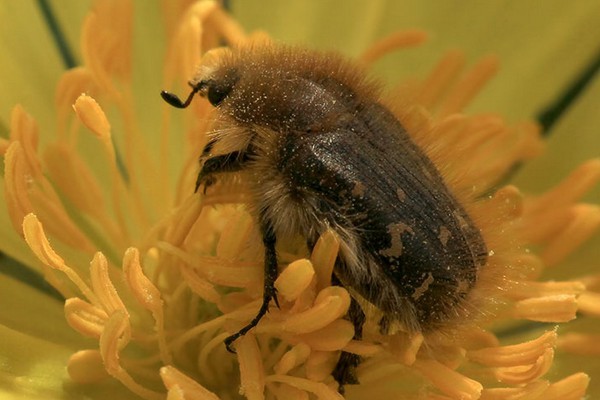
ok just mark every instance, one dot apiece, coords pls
pixel 444 235
pixel 401 194
pixel 396 231
pixel 421 290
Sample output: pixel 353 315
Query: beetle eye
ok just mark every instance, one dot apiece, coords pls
pixel 216 94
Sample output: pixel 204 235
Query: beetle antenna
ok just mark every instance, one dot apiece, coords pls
pixel 175 101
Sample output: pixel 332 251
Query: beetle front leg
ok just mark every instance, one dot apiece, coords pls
pixel 269 291
pixel 232 162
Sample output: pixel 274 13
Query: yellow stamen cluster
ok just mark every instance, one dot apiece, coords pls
pixel 172 274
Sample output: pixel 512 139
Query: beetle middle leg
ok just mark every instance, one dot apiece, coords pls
pixel 269 291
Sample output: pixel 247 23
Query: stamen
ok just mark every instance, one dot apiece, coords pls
pixel 397 40
pixel 528 289
pixel 103 286
pixel 148 296
pixel 252 374
pixel 570 388
pixel 333 337
pixel 589 303
pixel 15 187
pixel 514 355
pixel 86 367
pixel 449 381
pixel 187 387
pixel 40 246
pixel 470 85
pixel 331 303
pixel 405 347
pixel 234 236
pixel 231 30
pixel 24 129
pixel 323 258
pixel 557 308
pixel 508 201
pixel 320 365
pixel 319 389
pixel 581 344
pixel 71 85
pixel 571 189
pixel 199 285
pixel 115 337
pixel 440 79
pixel 533 390
pixel 89 112
pixel 526 373
pixel 85 318
pixel 294 279
pixel 585 220
pixel 76 182
pixel 296 356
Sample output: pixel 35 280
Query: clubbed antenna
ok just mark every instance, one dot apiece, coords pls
pixel 175 101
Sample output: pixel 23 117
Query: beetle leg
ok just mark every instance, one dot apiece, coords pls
pixel 232 162
pixel 345 369
pixel 269 291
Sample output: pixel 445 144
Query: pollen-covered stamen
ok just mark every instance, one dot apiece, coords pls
pixel 323 258
pixel 106 292
pixel 532 289
pixel 91 115
pixel 395 41
pixel 181 386
pixel 115 337
pixel 522 374
pixel 252 372
pixel 556 308
pixel 27 190
pixel 520 354
pixel 448 381
pixel 85 318
pixel 38 243
pixel 294 279
pixel 331 303
pixel 335 336
pixel 405 347
pixel 148 296
pixel 71 85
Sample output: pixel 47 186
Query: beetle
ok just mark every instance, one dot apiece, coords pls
pixel 320 150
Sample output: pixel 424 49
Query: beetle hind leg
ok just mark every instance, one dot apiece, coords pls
pixel 345 369
pixel 269 291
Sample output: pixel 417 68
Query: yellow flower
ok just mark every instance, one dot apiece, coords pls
pixel 154 277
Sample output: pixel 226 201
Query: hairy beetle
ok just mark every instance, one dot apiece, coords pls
pixel 320 151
